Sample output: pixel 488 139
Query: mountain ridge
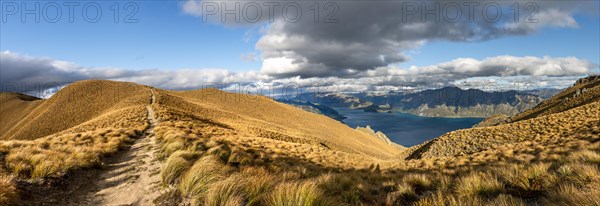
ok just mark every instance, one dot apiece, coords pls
pixel 443 102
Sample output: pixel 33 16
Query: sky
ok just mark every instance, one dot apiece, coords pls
pixel 354 45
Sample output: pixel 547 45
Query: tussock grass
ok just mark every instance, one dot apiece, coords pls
pixel 176 165
pixel 404 194
pixel 8 191
pixel 257 183
pixel 479 184
pixel 226 192
pixel 506 200
pixel 298 194
pixel 419 182
pixel 54 156
pixel 197 180
pixel 579 174
pixel 586 156
pixel 528 181
pixel 568 194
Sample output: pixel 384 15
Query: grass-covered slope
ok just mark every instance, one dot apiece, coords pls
pixel 261 117
pixel 77 128
pixel 88 121
pixel 73 105
pixel 570 113
pixel 583 121
pixel 551 159
pixel 584 91
pixel 14 107
pixel 219 148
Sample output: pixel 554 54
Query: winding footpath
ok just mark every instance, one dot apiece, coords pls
pixel 133 178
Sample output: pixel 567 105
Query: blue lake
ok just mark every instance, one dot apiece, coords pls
pixel 405 129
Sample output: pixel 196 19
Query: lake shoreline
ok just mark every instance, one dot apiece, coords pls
pixel 405 128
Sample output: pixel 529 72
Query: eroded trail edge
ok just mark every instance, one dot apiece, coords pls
pixel 134 177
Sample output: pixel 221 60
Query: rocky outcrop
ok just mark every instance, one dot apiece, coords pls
pixel 378 135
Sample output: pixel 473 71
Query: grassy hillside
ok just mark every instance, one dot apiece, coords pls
pixel 572 112
pixel 584 91
pixel 73 105
pixel 257 116
pixel 582 121
pixel 14 108
pixel 219 148
pixel 90 120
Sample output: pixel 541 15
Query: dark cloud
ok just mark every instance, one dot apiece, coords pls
pixel 19 73
pixel 364 35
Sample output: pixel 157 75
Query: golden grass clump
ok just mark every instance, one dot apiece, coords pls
pixel 419 182
pixel 403 194
pixel 226 192
pixel 568 194
pixel 304 193
pixel 196 181
pixel 479 184
pixel 579 174
pixel 176 165
pixel 528 181
pixel 585 156
pixel 8 192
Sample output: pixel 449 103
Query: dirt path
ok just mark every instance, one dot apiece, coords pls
pixel 133 178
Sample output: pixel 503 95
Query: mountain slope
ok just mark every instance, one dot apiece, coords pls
pixel 314 108
pixel 584 91
pixel 14 108
pixel 87 121
pixel 262 117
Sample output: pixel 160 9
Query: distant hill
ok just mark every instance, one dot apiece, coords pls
pixel 74 105
pixel 314 108
pixel 14 108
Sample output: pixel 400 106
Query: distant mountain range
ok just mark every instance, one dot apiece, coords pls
pixel 443 102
